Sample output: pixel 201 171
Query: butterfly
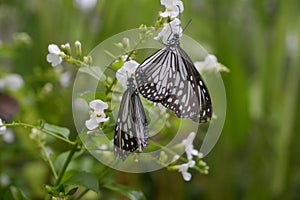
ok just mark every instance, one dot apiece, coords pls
pixel 170 78
pixel 131 130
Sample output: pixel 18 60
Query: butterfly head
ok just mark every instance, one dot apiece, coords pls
pixel 130 82
pixel 174 41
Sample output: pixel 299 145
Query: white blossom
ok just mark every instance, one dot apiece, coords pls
pixel 97 114
pixel 173 8
pixel 169 30
pixel 13 82
pixel 54 55
pixel 65 79
pixel 210 63
pixel 126 71
pixel 9 136
pixel 2 128
pixel 85 5
pixel 184 169
pixel 4 179
pixel 103 147
pixel 189 147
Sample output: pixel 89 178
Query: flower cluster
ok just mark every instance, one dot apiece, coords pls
pixel 97 114
pixel 55 55
pixel 173 8
pixel 210 63
pixel 190 152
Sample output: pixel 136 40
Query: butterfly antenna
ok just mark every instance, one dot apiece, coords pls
pixel 179 13
pixel 187 25
pixel 171 32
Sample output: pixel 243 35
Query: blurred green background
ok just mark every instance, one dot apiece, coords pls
pixel 257 155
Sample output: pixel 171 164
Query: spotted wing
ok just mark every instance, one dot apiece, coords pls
pixel 170 77
pixel 189 96
pixel 131 130
pixel 153 75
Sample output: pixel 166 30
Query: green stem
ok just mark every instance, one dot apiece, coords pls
pixel 82 194
pixel 49 162
pixel 66 164
pixel 25 125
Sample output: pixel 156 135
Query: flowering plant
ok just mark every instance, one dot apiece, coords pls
pixel 68 181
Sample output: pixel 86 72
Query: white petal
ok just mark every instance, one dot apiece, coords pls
pixel 98 105
pixel 65 79
pixel 54 49
pixel 92 123
pixel 102 119
pixel 2 128
pixel 183 167
pixel 85 5
pixel 180 5
pixel 166 2
pixel 194 152
pixel 187 176
pixel 130 67
pixel 13 81
pixel 191 163
pixel 103 147
pixel 189 140
pixel 54 59
pixel 165 14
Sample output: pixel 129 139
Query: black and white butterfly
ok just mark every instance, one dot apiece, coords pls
pixel 170 78
pixel 131 131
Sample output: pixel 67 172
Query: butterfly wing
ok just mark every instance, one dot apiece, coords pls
pixel 170 77
pixel 189 97
pixel 131 131
pixel 152 76
pixel 124 139
pixel 140 121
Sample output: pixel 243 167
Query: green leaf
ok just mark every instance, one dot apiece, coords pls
pixel 126 191
pixel 86 179
pixel 72 191
pixel 57 129
pixel 14 193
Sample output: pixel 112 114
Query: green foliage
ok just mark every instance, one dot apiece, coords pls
pixel 82 178
pixel 257 156
pixel 128 192
pixel 14 193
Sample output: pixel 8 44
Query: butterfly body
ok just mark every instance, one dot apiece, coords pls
pixel 170 78
pixel 131 131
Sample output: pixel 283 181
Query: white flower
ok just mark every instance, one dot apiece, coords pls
pixel 169 30
pixel 13 82
pixel 65 79
pixel 173 8
pixel 9 136
pixel 2 128
pixel 4 179
pixel 54 55
pixel 184 170
pixel 85 5
pixel 97 115
pixel 103 147
pixel 210 63
pixel 124 57
pixel 126 71
pixel 189 147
